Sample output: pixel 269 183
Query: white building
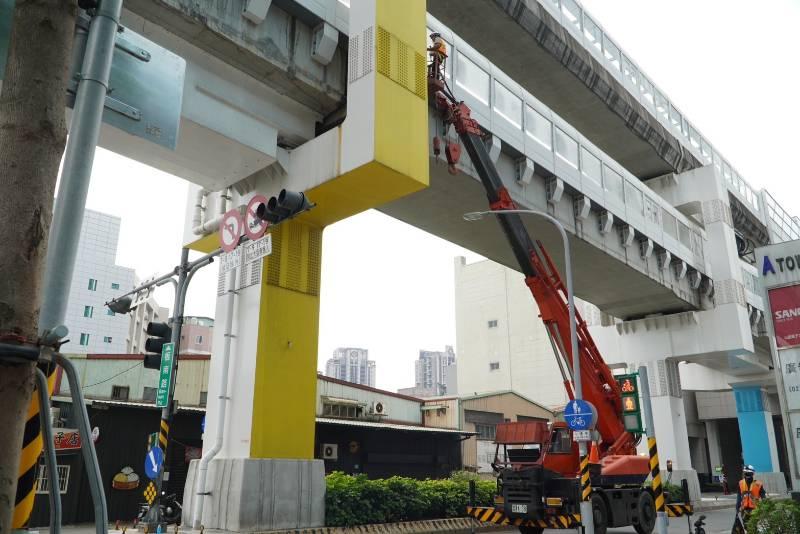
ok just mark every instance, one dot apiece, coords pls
pixel 501 342
pixel 93 328
pixel 352 365
pixel 148 311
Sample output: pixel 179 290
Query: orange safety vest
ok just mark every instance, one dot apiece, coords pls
pixel 751 495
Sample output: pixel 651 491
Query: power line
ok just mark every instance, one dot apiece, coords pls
pixel 137 364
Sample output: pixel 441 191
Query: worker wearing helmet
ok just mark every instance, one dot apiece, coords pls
pixel 438 52
pixel 749 493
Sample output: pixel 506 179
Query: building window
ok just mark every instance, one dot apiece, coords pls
pixel 538 128
pixel 486 432
pixel 590 167
pixel 84 340
pixel 493 323
pixel 88 311
pixel 107 339
pixel 149 394
pixel 203 398
pixel 120 392
pixel 566 149
pixel 507 104
pixel 109 312
pixel 346 411
pixel 472 79
pixel 494 366
pixel 92 284
pixel 43 483
pixel 198 340
pixel 114 285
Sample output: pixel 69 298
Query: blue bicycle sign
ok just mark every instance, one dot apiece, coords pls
pixel 580 415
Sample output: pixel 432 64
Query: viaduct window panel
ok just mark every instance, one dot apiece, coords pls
pixel 611 51
pixel 612 183
pixel 472 78
pixel 662 106
pixel 590 167
pixel 652 211
pixel 633 198
pixel 538 128
pixel 685 235
pixel 566 148
pixel 507 104
pixel 592 32
pixel 726 171
pixel 630 71
pixel 670 224
pixel 571 12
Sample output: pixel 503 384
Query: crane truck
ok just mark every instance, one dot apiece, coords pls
pixel 537 473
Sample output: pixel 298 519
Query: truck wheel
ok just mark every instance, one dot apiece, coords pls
pixel 600 514
pixel 531 530
pixel 646 513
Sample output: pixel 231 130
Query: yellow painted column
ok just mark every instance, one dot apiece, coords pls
pixel 382 156
pixel 284 399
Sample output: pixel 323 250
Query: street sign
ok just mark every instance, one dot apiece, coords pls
pixel 145 89
pixel 165 375
pixel 581 435
pixel 245 253
pixel 230 230
pixel 152 462
pixel 229 261
pixel 631 410
pixel 579 415
pixel 254 227
pixel 152 440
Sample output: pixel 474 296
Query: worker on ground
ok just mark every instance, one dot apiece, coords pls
pixel 749 493
pixel 438 54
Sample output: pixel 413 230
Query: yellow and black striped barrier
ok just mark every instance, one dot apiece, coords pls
pixel 29 459
pixel 488 514
pixel 679 510
pixel 655 473
pixel 163 435
pixel 586 482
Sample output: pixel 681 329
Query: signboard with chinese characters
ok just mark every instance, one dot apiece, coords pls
pixel 66 440
pixel 790 366
pixel 165 375
pixel 784 304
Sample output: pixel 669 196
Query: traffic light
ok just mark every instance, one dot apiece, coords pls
pixel 121 305
pixel 286 205
pixel 631 410
pixel 162 333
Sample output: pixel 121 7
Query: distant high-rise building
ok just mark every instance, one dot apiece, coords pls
pixel 352 365
pixel 434 374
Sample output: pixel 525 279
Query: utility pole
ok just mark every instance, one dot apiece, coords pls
pixel 32 138
pixel 655 471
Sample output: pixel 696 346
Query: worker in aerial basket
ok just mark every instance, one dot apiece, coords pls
pixel 749 493
pixel 438 53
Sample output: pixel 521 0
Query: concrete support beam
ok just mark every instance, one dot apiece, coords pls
pixel 256 10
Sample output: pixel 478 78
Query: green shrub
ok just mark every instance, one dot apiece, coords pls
pixel 775 517
pixel 357 500
pixel 674 492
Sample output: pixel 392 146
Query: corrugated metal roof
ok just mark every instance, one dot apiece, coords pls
pixel 133 404
pixel 392 426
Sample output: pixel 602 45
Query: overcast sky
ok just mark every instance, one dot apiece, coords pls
pixel 730 66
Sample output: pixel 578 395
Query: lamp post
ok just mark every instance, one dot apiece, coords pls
pixel 586 506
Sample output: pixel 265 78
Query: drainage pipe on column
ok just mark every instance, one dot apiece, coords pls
pixel 202 468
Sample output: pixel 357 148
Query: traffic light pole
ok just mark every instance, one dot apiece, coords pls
pixel 185 272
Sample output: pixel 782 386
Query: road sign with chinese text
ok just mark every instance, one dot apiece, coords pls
pixel 165 375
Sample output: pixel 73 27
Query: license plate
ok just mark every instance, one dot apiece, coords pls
pixel 519 508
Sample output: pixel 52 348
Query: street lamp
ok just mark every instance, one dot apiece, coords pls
pixel 586 506
pixel 573 333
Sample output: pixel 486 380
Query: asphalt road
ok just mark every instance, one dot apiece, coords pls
pixel 717 522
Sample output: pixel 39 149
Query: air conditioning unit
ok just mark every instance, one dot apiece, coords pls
pixel 377 408
pixel 330 451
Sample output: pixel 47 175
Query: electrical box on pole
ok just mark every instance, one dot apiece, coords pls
pixel 631 409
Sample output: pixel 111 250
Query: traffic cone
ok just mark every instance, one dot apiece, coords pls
pixel 594 456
